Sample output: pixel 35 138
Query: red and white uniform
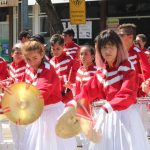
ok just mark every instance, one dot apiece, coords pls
pixel 47 82
pixel 3 69
pixel 16 73
pixel 116 85
pixel 140 61
pixel 72 49
pixel 122 123
pixel 65 66
pixel 83 75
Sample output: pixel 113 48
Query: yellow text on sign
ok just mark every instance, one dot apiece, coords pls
pixel 77 11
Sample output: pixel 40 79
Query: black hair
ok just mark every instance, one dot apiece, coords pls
pixel 69 31
pixel 56 38
pixel 25 34
pixel 38 38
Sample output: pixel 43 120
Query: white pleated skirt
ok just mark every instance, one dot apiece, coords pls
pixel 40 135
pixel 122 130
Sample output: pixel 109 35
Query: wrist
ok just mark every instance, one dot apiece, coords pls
pixel 71 103
pixel 107 107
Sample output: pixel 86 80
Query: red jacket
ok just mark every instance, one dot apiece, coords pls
pixel 3 69
pixel 117 85
pixel 65 66
pixel 84 75
pixel 16 73
pixel 140 61
pixel 46 80
pixel 72 49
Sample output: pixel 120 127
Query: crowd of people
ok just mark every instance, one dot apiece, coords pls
pixel 116 69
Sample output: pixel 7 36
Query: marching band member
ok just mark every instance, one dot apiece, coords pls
pixel 115 81
pixel 3 75
pixel 17 67
pixel 16 72
pixel 137 56
pixel 65 66
pixel 142 40
pixel 70 47
pixel 84 74
pixel 88 67
pixel 3 69
pixel 40 135
pixel 127 32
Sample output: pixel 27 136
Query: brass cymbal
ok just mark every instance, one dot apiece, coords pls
pixel 3 117
pixel 84 113
pixel 22 104
pixel 87 129
pixel 68 125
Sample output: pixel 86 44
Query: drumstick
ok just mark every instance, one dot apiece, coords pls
pixel 68 78
pixel 87 113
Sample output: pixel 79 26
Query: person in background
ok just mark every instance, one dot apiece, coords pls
pixel 115 81
pixel 17 67
pixel 24 36
pixel 127 32
pixel 70 47
pixel 65 66
pixel 3 69
pixel 88 67
pixel 40 135
pixel 86 71
pixel 40 38
pixel 142 40
pixel 3 75
pixel 16 73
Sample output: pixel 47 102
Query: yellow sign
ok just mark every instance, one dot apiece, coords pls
pixel 8 3
pixel 77 11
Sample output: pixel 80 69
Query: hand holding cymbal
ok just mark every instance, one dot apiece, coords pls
pixel 68 125
pixel 23 103
pixel 86 121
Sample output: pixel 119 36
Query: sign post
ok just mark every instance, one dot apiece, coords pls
pixel 77 14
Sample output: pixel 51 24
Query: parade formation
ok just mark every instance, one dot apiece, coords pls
pixel 98 93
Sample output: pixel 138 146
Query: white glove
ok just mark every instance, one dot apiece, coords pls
pixel 99 119
pixel 71 105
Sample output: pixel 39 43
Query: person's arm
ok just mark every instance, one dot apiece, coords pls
pixel 3 70
pixel 48 83
pixel 127 94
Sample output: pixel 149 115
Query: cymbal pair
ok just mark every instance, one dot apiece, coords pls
pixel 77 120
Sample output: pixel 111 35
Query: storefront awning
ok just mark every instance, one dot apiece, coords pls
pixel 33 2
